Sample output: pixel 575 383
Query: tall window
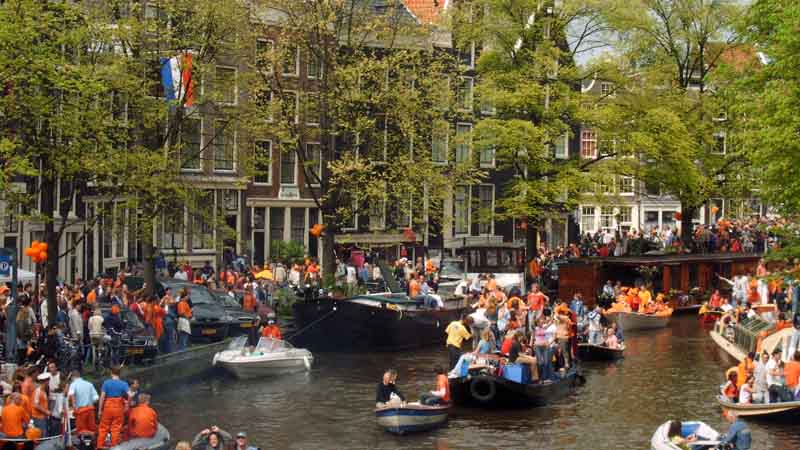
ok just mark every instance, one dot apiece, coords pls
pixel 202 220
pixel 625 215
pixel 588 144
pixel 486 196
pixel 463 142
pixel 606 88
pixel 587 219
pixel 288 166
pixel 464 94
pixel 607 217
pixel 466 55
pixel 191 144
pixel 298 222
pixel 263 162
pixel 315 66
pixel 289 106
pixel 439 141
pixel 561 147
pixel 313 166
pixel 719 144
pixel 626 185
pixel 487 156
pixel 172 229
pixel 224 145
pixel 276 223
pixel 461 209
pixel 291 61
pixel 263 49
pixel 377 144
pixel 225 84
pixel 377 213
pixel 312 108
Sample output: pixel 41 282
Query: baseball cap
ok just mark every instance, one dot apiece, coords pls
pixel 241 434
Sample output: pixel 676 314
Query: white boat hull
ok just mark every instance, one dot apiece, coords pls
pixel 294 361
pixel 729 347
pixel 637 321
pixel 760 409
pixel 706 434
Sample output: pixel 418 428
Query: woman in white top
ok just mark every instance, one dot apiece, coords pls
pixel 746 391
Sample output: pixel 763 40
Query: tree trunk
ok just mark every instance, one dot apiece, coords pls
pixel 51 237
pixel 328 257
pixel 687 228
pixel 531 249
pixel 149 267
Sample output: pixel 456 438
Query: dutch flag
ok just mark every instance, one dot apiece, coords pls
pixel 176 77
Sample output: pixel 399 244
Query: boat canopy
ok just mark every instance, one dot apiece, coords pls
pixel 264 345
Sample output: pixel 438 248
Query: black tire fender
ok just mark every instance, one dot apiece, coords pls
pixel 476 388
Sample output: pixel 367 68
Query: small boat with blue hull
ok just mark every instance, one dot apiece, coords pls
pixel 411 417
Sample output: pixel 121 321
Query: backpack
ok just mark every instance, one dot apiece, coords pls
pixel 24 331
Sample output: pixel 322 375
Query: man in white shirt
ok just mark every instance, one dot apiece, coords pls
pixel 96 332
pixel 774 375
pixel 181 275
pixel 76 323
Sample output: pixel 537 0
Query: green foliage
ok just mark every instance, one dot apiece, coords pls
pixel 289 252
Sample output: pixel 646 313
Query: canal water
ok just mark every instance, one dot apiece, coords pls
pixel 670 373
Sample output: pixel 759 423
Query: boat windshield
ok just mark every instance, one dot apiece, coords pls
pixel 267 345
pixel 238 343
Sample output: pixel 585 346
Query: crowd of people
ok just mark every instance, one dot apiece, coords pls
pixel 764 378
pixel 754 235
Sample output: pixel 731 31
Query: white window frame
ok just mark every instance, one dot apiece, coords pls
pixel 190 221
pixel 468 142
pixel 235 84
pixel 471 93
pixel 445 126
pixel 467 212
pixel 622 181
pixel 585 214
pixel 471 50
pixel 271 160
pixel 606 88
pixel 619 214
pixel 565 140
pixel 320 67
pixel 214 149
pixel 319 146
pixel 270 43
pixel 314 123
pixel 296 72
pixel 283 153
pixel 494 199
pixel 296 96
pixel 610 216
pixel 588 140
pixel 202 149
pixel 484 164
pixel 724 136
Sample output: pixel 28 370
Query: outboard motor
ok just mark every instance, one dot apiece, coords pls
pixel 85 441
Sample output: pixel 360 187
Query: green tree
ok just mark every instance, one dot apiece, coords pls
pixel 380 96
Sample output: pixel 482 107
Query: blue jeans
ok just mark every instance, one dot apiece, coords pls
pixel 544 357
pixel 183 340
pixel 595 337
pixel 167 339
pixel 41 424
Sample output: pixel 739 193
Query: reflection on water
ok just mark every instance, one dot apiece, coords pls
pixel 670 373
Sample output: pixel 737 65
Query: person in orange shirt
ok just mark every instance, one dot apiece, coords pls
pixel 441 396
pixel 157 315
pixel 143 420
pixel 14 417
pixel 271 330
pixel 112 409
pixel 745 369
pixel 184 316
pixel 791 372
pixel 249 300
pixel 414 286
pixel 41 410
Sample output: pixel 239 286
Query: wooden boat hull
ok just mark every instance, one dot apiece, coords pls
pixel 762 410
pixel 636 321
pixel 591 352
pixel 688 309
pixel 488 391
pixel 411 418
pixel 329 324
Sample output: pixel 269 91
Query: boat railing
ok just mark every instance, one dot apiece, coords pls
pixel 749 331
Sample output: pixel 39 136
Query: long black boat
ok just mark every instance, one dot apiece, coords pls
pixel 591 352
pixel 377 322
pixel 490 391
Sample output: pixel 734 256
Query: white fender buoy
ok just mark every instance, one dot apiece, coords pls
pixel 307 362
pixel 214 361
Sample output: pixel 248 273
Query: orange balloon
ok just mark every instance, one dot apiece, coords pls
pixel 43 246
pixel 714 209
pixel 34 243
pixel 42 256
pixel 29 252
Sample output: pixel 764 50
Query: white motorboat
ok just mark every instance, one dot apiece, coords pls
pixel 269 357
pixel 707 437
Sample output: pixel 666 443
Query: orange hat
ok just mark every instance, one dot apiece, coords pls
pixel 3 289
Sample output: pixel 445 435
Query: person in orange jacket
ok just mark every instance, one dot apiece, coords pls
pixel 112 409
pixel 14 417
pixel 249 300
pixel 271 330
pixel 143 420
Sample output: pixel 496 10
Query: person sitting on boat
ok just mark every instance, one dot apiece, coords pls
pixel 441 396
pixel 791 374
pixel 271 329
pixel 241 442
pixel 505 348
pixel 675 435
pixel 645 297
pixel 729 389
pixel 745 368
pixel 738 434
pixel 715 302
pixel 487 343
pixel 595 326
pixel 746 391
pixel 611 339
pixel 142 419
pixel 14 417
pixel 386 393
pixel 618 332
pixel 516 355
pixel 479 323
pixel 760 389
pixel 211 439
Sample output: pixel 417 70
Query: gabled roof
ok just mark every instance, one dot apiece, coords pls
pixel 426 11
